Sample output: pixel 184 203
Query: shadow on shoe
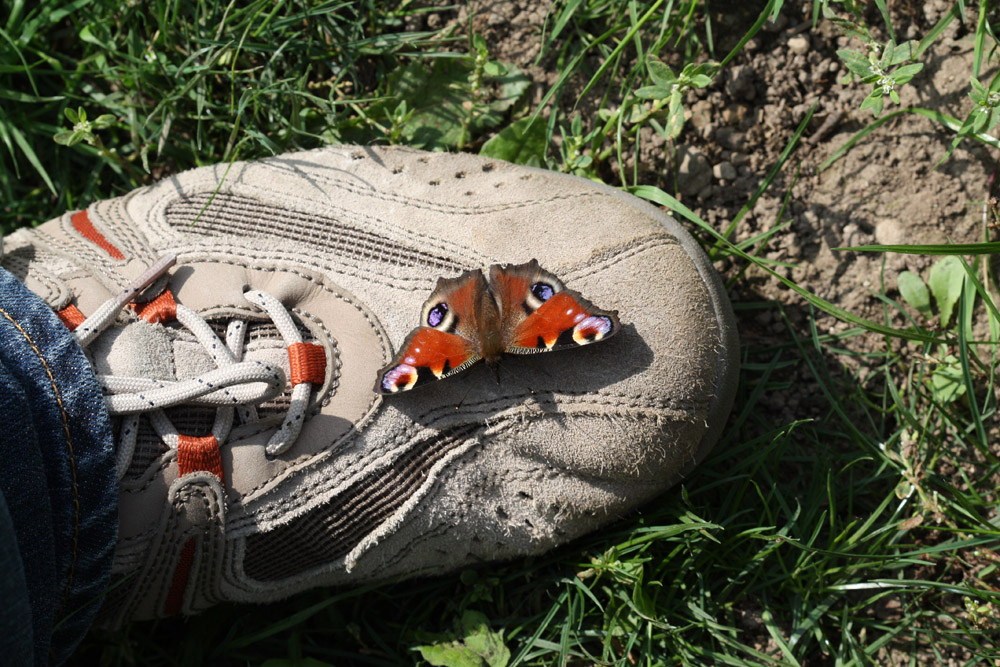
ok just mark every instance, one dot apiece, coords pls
pixel 536 380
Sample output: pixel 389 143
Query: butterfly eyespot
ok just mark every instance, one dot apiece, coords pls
pixel 538 294
pixel 543 291
pixel 437 315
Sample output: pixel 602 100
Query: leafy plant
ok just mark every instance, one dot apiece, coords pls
pixel 947 281
pixel 473 644
pixel 984 117
pixel 450 101
pixel 882 67
pixel 668 90
pixel 522 142
pixel 873 66
pixel 83 129
pixel 914 290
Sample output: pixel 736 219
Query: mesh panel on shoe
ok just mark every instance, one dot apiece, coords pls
pixel 266 334
pixel 229 214
pixel 260 331
pixel 332 530
pixel 149 447
pixel 192 420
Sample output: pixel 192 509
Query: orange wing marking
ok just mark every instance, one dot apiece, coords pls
pixel 427 354
pixel 559 314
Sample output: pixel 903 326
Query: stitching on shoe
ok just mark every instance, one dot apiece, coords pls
pixel 80 254
pixel 336 364
pixel 546 471
pixel 175 537
pixel 124 232
pixel 406 479
pixel 616 255
pixel 316 322
pixel 141 537
pixel 52 285
pixel 103 258
pixel 607 258
pixel 156 576
pixel 318 263
pixel 72 461
pixel 150 475
pixel 192 258
pixel 209 187
pixel 598 397
pixel 389 449
pixel 407 549
pixel 539 473
pixel 441 528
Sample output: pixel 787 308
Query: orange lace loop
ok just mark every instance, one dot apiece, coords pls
pixel 71 316
pixel 161 309
pixel 307 363
pixel 199 453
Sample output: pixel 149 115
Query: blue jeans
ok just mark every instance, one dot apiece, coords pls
pixel 58 489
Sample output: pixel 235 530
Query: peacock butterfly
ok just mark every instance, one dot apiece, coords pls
pixel 523 309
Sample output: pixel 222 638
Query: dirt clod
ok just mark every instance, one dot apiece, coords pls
pixel 694 171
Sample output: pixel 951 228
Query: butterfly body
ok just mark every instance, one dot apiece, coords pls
pixel 522 309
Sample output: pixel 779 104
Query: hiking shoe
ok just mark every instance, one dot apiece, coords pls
pixel 237 317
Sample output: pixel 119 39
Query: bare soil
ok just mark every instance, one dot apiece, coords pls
pixel 885 190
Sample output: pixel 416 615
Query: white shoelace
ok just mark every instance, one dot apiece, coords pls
pixel 235 384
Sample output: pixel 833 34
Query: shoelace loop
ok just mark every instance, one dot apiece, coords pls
pixel 235 383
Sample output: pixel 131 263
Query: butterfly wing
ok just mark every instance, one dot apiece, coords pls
pixel 447 340
pixel 538 313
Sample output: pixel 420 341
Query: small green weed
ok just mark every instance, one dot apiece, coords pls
pixel 885 67
pixel 668 91
pixel 947 281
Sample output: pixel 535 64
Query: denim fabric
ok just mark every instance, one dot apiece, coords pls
pixel 57 479
pixel 16 641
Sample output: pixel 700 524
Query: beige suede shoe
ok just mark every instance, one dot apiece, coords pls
pixel 255 458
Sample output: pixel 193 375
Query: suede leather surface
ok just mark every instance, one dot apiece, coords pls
pixel 352 240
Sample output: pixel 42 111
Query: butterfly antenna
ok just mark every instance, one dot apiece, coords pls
pixel 458 406
pixel 468 388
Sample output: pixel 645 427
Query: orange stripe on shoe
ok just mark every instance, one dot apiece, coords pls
pixel 161 309
pixel 81 223
pixel 179 583
pixel 199 453
pixel 71 316
pixel 307 363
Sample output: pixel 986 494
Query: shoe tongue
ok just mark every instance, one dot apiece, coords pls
pixel 139 349
pixel 264 343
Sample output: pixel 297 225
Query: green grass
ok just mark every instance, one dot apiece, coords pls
pixel 864 525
